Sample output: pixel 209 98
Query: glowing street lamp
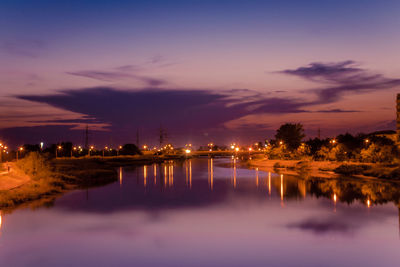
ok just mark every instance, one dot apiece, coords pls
pixel 73 149
pixel 20 149
pixel 105 148
pixel 210 146
pixel 237 149
pixel 90 149
pixel 58 148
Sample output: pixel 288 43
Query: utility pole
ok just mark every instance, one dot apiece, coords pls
pixel 319 133
pixel 87 136
pixel 163 136
pixel 137 138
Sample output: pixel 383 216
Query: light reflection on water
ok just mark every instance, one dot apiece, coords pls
pixel 209 212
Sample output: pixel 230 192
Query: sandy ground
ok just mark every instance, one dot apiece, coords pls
pixel 12 179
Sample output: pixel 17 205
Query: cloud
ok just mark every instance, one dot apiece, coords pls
pixel 182 110
pixel 101 75
pixel 25 48
pixel 318 226
pixel 326 72
pixel 117 75
pixel 341 77
pixel 337 110
pixel 128 72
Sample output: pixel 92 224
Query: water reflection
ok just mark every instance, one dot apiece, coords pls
pixel 227 210
pixel 211 173
pixel 155 173
pixel 257 177
pixel 171 173
pixel 269 183
pixel 144 175
pixel 188 172
pixel 234 171
pixel 284 187
pixel 288 187
pixel 120 175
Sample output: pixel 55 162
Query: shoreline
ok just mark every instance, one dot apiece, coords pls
pixel 18 189
pixel 323 169
pixel 63 175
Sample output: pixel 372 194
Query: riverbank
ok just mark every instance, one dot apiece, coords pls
pixel 34 180
pixel 327 169
pixel 12 177
pixel 323 169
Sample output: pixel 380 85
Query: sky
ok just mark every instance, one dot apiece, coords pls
pixel 220 71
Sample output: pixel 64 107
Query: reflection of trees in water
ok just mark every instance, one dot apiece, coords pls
pixel 346 189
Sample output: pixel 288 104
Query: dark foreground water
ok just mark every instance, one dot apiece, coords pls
pixel 199 213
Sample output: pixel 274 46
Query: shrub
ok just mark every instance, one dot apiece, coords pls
pixel 346 169
pixel 378 153
pixel 277 165
pixel 35 165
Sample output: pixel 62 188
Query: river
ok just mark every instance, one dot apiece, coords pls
pixel 209 212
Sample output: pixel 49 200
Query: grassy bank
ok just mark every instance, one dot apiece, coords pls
pixel 51 178
pixel 45 179
pixel 328 169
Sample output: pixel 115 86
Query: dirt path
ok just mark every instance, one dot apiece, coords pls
pixel 12 179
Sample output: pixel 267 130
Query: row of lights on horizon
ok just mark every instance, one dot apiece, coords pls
pixel 188 147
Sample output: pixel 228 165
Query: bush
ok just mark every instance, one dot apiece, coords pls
pixel 346 169
pixel 35 165
pixel 378 153
pixel 277 165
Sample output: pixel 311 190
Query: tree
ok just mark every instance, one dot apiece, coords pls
pixel 130 149
pixel 378 153
pixel 291 135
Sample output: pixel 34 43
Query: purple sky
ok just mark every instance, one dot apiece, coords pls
pixel 218 71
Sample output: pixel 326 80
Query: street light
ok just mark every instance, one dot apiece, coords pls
pixel 18 151
pixel 73 149
pixel 58 148
pixel 90 149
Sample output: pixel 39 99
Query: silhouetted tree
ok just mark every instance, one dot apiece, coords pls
pixel 291 134
pixel 31 148
pixel 130 149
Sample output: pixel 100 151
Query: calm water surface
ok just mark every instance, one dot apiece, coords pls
pixel 204 213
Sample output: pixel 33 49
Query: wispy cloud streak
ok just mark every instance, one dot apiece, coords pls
pixel 341 78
